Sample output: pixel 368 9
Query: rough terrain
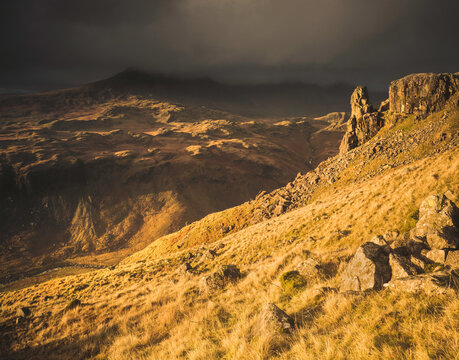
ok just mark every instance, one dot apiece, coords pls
pixel 92 174
pixel 356 259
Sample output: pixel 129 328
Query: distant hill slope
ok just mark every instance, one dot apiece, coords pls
pixel 272 100
pixel 262 280
pixel 254 100
pixel 100 170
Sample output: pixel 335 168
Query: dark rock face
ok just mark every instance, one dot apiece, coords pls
pixel 422 93
pixel 364 122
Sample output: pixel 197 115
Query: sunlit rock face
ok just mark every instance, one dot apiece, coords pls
pixel 364 122
pixel 422 93
pixel 416 94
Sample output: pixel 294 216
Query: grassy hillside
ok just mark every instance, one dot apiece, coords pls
pixel 156 305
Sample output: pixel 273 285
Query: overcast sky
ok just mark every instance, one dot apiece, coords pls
pixel 49 43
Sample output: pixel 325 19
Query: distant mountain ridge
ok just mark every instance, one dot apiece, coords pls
pixel 272 99
pixel 282 99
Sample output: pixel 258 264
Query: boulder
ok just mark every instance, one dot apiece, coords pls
pixel 436 255
pixel 309 269
pixel 438 283
pixel 185 268
pixel 209 254
pixel 416 246
pixel 219 279
pixel 420 260
pixel 381 241
pixel 422 93
pixel 368 269
pixel 402 267
pixel 438 222
pixel 400 247
pixel 452 259
pixel 273 317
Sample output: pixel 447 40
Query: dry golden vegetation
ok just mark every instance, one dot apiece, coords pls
pixel 151 307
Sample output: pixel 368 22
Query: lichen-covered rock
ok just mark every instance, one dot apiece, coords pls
pixel 368 269
pixel 363 123
pixel 438 222
pixel 422 93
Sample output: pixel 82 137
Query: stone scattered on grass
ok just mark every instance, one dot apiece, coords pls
pixel 73 304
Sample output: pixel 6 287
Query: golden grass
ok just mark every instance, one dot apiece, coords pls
pixel 147 308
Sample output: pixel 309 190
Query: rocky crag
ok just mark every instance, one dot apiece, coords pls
pixel 427 258
pixel 416 94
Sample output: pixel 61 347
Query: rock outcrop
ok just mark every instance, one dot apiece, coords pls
pixel 417 94
pixel 309 269
pixel 438 222
pixel 422 93
pixel 363 123
pixel 436 283
pixel 424 260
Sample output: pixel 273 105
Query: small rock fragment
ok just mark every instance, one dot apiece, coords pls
pixel 272 316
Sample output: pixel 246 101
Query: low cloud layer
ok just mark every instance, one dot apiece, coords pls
pixel 52 42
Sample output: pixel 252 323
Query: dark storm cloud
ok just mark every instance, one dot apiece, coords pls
pixel 368 41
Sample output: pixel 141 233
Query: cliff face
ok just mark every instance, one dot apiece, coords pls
pixel 422 93
pixel 415 94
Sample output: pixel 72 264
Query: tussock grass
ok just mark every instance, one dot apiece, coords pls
pixel 149 308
